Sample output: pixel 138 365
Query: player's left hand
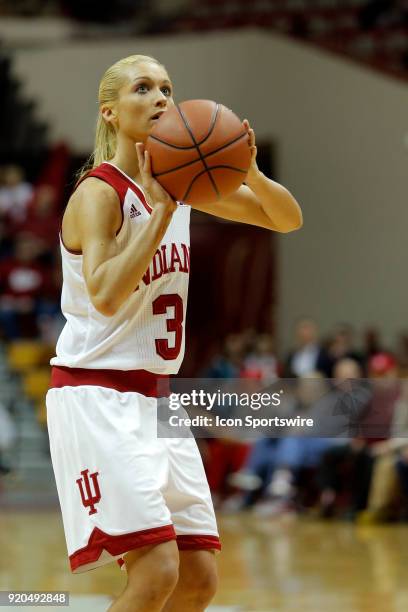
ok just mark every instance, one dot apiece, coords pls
pixel 253 172
pixel 152 188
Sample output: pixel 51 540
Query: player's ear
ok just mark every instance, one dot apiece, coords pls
pixel 108 113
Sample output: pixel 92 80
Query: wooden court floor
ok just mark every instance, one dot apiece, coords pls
pixel 270 565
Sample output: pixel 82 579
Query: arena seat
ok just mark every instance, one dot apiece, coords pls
pixel 41 412
pixel 22 355
pixel 36 383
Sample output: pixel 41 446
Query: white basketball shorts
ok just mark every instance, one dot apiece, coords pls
pixel 119 485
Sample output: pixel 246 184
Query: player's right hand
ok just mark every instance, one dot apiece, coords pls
pixel 153 190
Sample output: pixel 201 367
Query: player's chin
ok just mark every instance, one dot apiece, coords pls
pixel 140 136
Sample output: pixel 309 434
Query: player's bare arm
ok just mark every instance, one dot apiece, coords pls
pixel 263 203
pixel 111 274
pixel 260 201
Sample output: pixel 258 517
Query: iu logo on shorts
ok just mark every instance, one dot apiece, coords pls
pixel 89 500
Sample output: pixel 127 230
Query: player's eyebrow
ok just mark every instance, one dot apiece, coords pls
pixel 147 78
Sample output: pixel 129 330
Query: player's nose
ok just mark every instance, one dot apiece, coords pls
pixel 161 100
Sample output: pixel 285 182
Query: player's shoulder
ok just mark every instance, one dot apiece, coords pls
pixel 92 184
pixel 93 191
pixel 94 199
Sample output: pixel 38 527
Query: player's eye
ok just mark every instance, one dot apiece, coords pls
pixel 142 88
pixel 166 91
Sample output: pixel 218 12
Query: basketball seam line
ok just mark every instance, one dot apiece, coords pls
pixel 227 144
pixel 200 154
pixel 213 168
pixel 206 137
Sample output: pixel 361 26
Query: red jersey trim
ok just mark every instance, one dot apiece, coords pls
pixel 117 545
pixel 138 381
pixel 131 184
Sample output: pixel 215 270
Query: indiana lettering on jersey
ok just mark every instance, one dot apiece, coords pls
pixel 167 259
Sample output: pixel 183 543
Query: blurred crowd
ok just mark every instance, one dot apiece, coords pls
pixel 383 13
pixel 371 13
pixel 29 259
pixel 92 11
pixel 371 31
pixel 360 473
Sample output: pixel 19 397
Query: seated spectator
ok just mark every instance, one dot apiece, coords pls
pixel 255 474
pixel 274 464
pixel 15 194
pixel 346 471
pixel 22 282
pixel 225 455
pixel 376 423
pixel 306 357
pixel 261 363
pixel 302 452
pixel 229 363
pixel 372 342
pixel 340 346
pixel 42 220
pixel 390 457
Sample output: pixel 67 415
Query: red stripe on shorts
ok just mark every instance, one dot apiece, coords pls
pixel 120 544
pixel 192 542
pixel 198 542
pixel 138 381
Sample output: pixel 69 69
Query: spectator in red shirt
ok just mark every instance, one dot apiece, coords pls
pixel 22 281
pixel 43 220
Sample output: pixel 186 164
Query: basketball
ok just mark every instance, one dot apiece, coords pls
pixel 199 151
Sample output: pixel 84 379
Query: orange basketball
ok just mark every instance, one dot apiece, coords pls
pixel 199 151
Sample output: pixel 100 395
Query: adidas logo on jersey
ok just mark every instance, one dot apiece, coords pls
pixel 134 212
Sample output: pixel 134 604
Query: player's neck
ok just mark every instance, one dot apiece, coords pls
pixel 125 159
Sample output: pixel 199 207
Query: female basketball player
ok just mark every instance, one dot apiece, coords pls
pixel 124 493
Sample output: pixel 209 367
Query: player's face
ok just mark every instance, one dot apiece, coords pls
pixel 145 96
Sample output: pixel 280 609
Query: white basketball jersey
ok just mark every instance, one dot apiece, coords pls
pixel 147 332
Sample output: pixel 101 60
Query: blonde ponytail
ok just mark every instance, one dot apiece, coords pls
pixel 105 142
pixel 105 136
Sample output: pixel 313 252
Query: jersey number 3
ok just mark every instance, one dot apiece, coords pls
pixel 174 324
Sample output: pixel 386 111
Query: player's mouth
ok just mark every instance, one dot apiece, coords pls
pixel 157 116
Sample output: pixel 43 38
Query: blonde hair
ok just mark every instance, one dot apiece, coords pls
pixel 105 135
